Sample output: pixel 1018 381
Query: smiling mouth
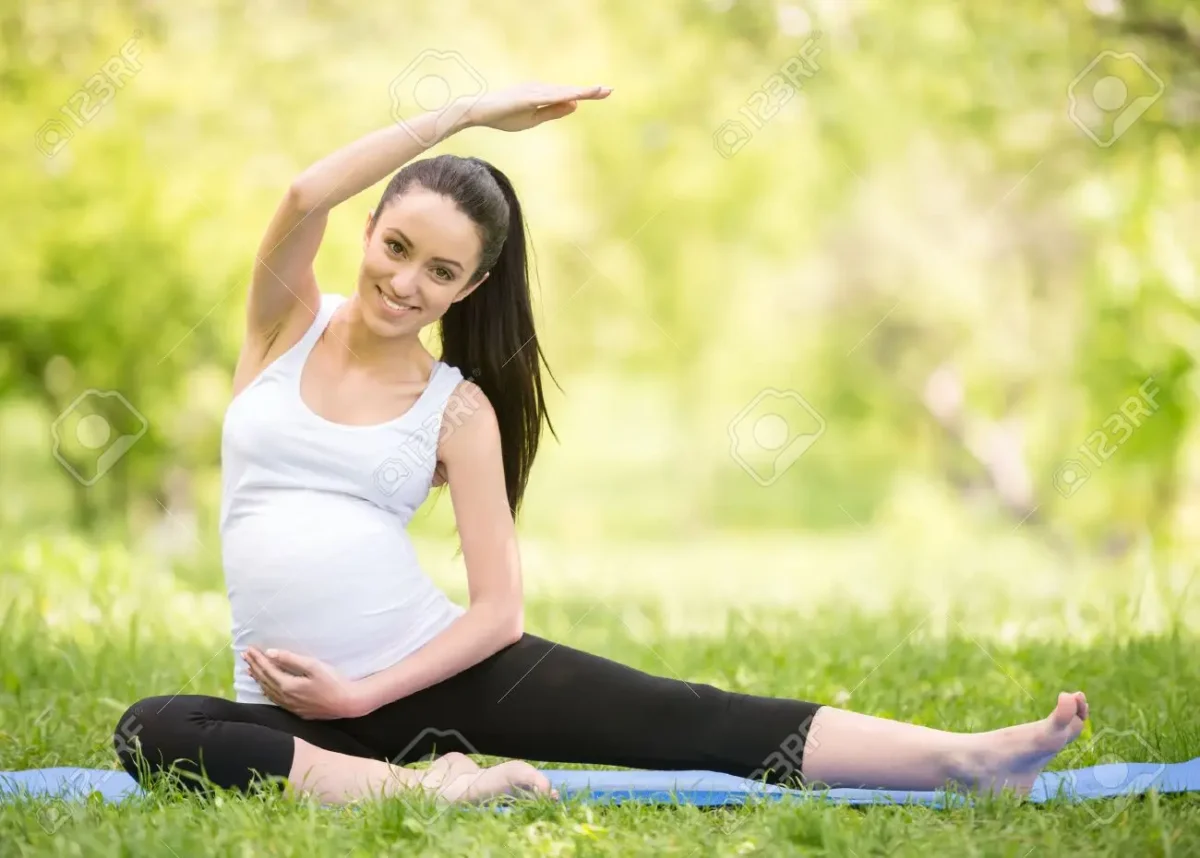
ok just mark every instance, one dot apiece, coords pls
pixel 392 304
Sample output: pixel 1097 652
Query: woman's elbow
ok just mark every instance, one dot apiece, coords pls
pixel 303 198
pixel 502 616
pixel 512 624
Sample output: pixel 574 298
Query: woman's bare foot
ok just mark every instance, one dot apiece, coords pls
pixel 508 778
pixel 446 768
pixel 1013 757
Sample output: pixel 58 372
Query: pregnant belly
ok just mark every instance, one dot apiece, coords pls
pixel 329 577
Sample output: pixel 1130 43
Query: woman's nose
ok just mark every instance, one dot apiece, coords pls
pixel 404 281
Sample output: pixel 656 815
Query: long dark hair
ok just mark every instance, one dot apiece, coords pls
pixel 489 335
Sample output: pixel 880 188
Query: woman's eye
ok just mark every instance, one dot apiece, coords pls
pixel 445 273
pixel 395 247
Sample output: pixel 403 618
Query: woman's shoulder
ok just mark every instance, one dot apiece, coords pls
pixel 262 349
pixel 465 403
pixel 460 390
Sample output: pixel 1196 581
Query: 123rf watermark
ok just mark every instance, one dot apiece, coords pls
pixel 435 82
pixel 1126 766
pixel 765 103
pixel 772 431
pixel 1100 446
pixel 782 765
pixel 85 103
pixel 94 432
pixel 418 453
pixel 87 777
pixel 1111 94
pixel 432 745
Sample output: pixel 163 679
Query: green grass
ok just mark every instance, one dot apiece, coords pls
pixel 87 630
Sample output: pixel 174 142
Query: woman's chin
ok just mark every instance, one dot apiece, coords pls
pixel 385 322
pixel 385 326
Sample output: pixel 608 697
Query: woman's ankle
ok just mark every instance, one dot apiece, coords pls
pixel 967 757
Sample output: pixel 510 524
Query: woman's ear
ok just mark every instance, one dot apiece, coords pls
pixel 467 291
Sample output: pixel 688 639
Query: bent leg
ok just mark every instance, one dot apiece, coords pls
pixel 231 744
pixel 543 701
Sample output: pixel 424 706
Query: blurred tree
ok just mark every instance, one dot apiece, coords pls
pixel 841 202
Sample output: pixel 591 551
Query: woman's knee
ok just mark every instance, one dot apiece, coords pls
pixel 130 733
pixel 153 730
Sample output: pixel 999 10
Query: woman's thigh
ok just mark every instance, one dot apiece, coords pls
pixel 543 701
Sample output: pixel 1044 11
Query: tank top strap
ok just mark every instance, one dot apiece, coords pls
pixel 292 362
pixel 329 303
pixel 437 406
pixel 442 401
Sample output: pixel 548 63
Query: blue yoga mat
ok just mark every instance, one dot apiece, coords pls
pixel 704 789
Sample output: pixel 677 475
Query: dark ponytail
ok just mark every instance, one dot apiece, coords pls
pixel 489 335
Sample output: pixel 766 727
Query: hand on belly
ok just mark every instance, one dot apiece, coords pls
pixel 305 686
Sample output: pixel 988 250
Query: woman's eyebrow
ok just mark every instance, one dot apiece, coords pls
pixel 409 242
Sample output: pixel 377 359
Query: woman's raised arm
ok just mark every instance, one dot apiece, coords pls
pixel 283 285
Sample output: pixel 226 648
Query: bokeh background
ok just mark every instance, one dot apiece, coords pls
pixel 854 302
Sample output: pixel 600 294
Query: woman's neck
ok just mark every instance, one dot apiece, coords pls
pixel 403 358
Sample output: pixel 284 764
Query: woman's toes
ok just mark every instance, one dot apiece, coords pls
pixel 457 762
pixel 524 776
pixel 1064 711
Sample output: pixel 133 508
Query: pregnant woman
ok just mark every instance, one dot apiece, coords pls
pixel 350 663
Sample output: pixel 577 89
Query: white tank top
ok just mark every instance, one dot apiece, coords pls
pixel 313 523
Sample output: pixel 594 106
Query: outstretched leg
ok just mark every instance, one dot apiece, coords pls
pixel 846 749
pixel 543 701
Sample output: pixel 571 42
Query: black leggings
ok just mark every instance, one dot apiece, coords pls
pixel 533 700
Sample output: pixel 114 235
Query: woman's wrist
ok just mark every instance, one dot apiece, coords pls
pixel 459 112
pixel 365 697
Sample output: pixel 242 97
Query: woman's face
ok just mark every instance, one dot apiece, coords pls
pixel 416 262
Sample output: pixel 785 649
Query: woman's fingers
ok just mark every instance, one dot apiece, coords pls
pixel 272 679
pixel 272 690
pixel 263 671
pixel 571 93
pixel 545 96
pixel 289 662
pixel 555 111
pixel 531 104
